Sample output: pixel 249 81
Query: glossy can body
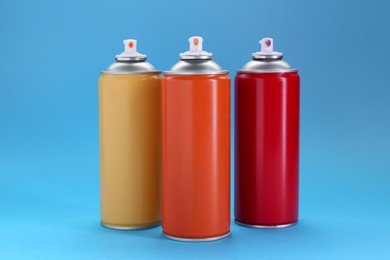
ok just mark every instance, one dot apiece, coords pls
pixel 196 156
pixel 266 148
pixel 130 150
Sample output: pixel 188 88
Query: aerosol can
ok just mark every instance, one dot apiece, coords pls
pixel 130 142
pixel 266 140
pixel 196 148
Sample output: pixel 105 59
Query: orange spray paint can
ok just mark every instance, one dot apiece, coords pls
pixel 196 148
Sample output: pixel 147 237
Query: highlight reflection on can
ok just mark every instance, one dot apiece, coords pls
pixel 196 148
pixel 266 140
pixel 130 142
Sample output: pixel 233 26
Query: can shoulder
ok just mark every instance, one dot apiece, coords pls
pixel 265 66
pixel 196 67
pixel 130 67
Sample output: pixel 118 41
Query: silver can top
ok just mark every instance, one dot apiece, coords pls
pixel 196 61
pixel 267 60
pixel 130 61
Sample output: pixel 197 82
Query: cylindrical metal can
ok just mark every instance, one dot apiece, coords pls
pixel 266 141
pixel 130 142
pixel 196 148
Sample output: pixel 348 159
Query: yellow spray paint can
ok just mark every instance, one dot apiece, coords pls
pixel 130 142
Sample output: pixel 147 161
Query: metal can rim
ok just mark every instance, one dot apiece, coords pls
pixel 130 58
pixel 267 57
pixel 130 73
pixel 206 239
pixel 267 71
pixel 226 72
pixel 193 57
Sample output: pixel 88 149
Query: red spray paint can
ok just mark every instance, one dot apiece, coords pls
pixel 266 140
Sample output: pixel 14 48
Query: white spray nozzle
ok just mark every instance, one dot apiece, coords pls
pixel 196 49
pixel 267 49
pixel 130 46
pixel 267 45
pixel 196 43
pixel 130 51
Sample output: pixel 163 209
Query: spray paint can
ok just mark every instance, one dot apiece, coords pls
pixel 266 140
pixel 196 148
pixel 130 142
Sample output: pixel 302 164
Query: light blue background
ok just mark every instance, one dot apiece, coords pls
pixel 51 53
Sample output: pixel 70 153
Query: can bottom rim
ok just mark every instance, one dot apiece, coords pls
pixel 130 227
pixel 266 226
pixel 208 239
